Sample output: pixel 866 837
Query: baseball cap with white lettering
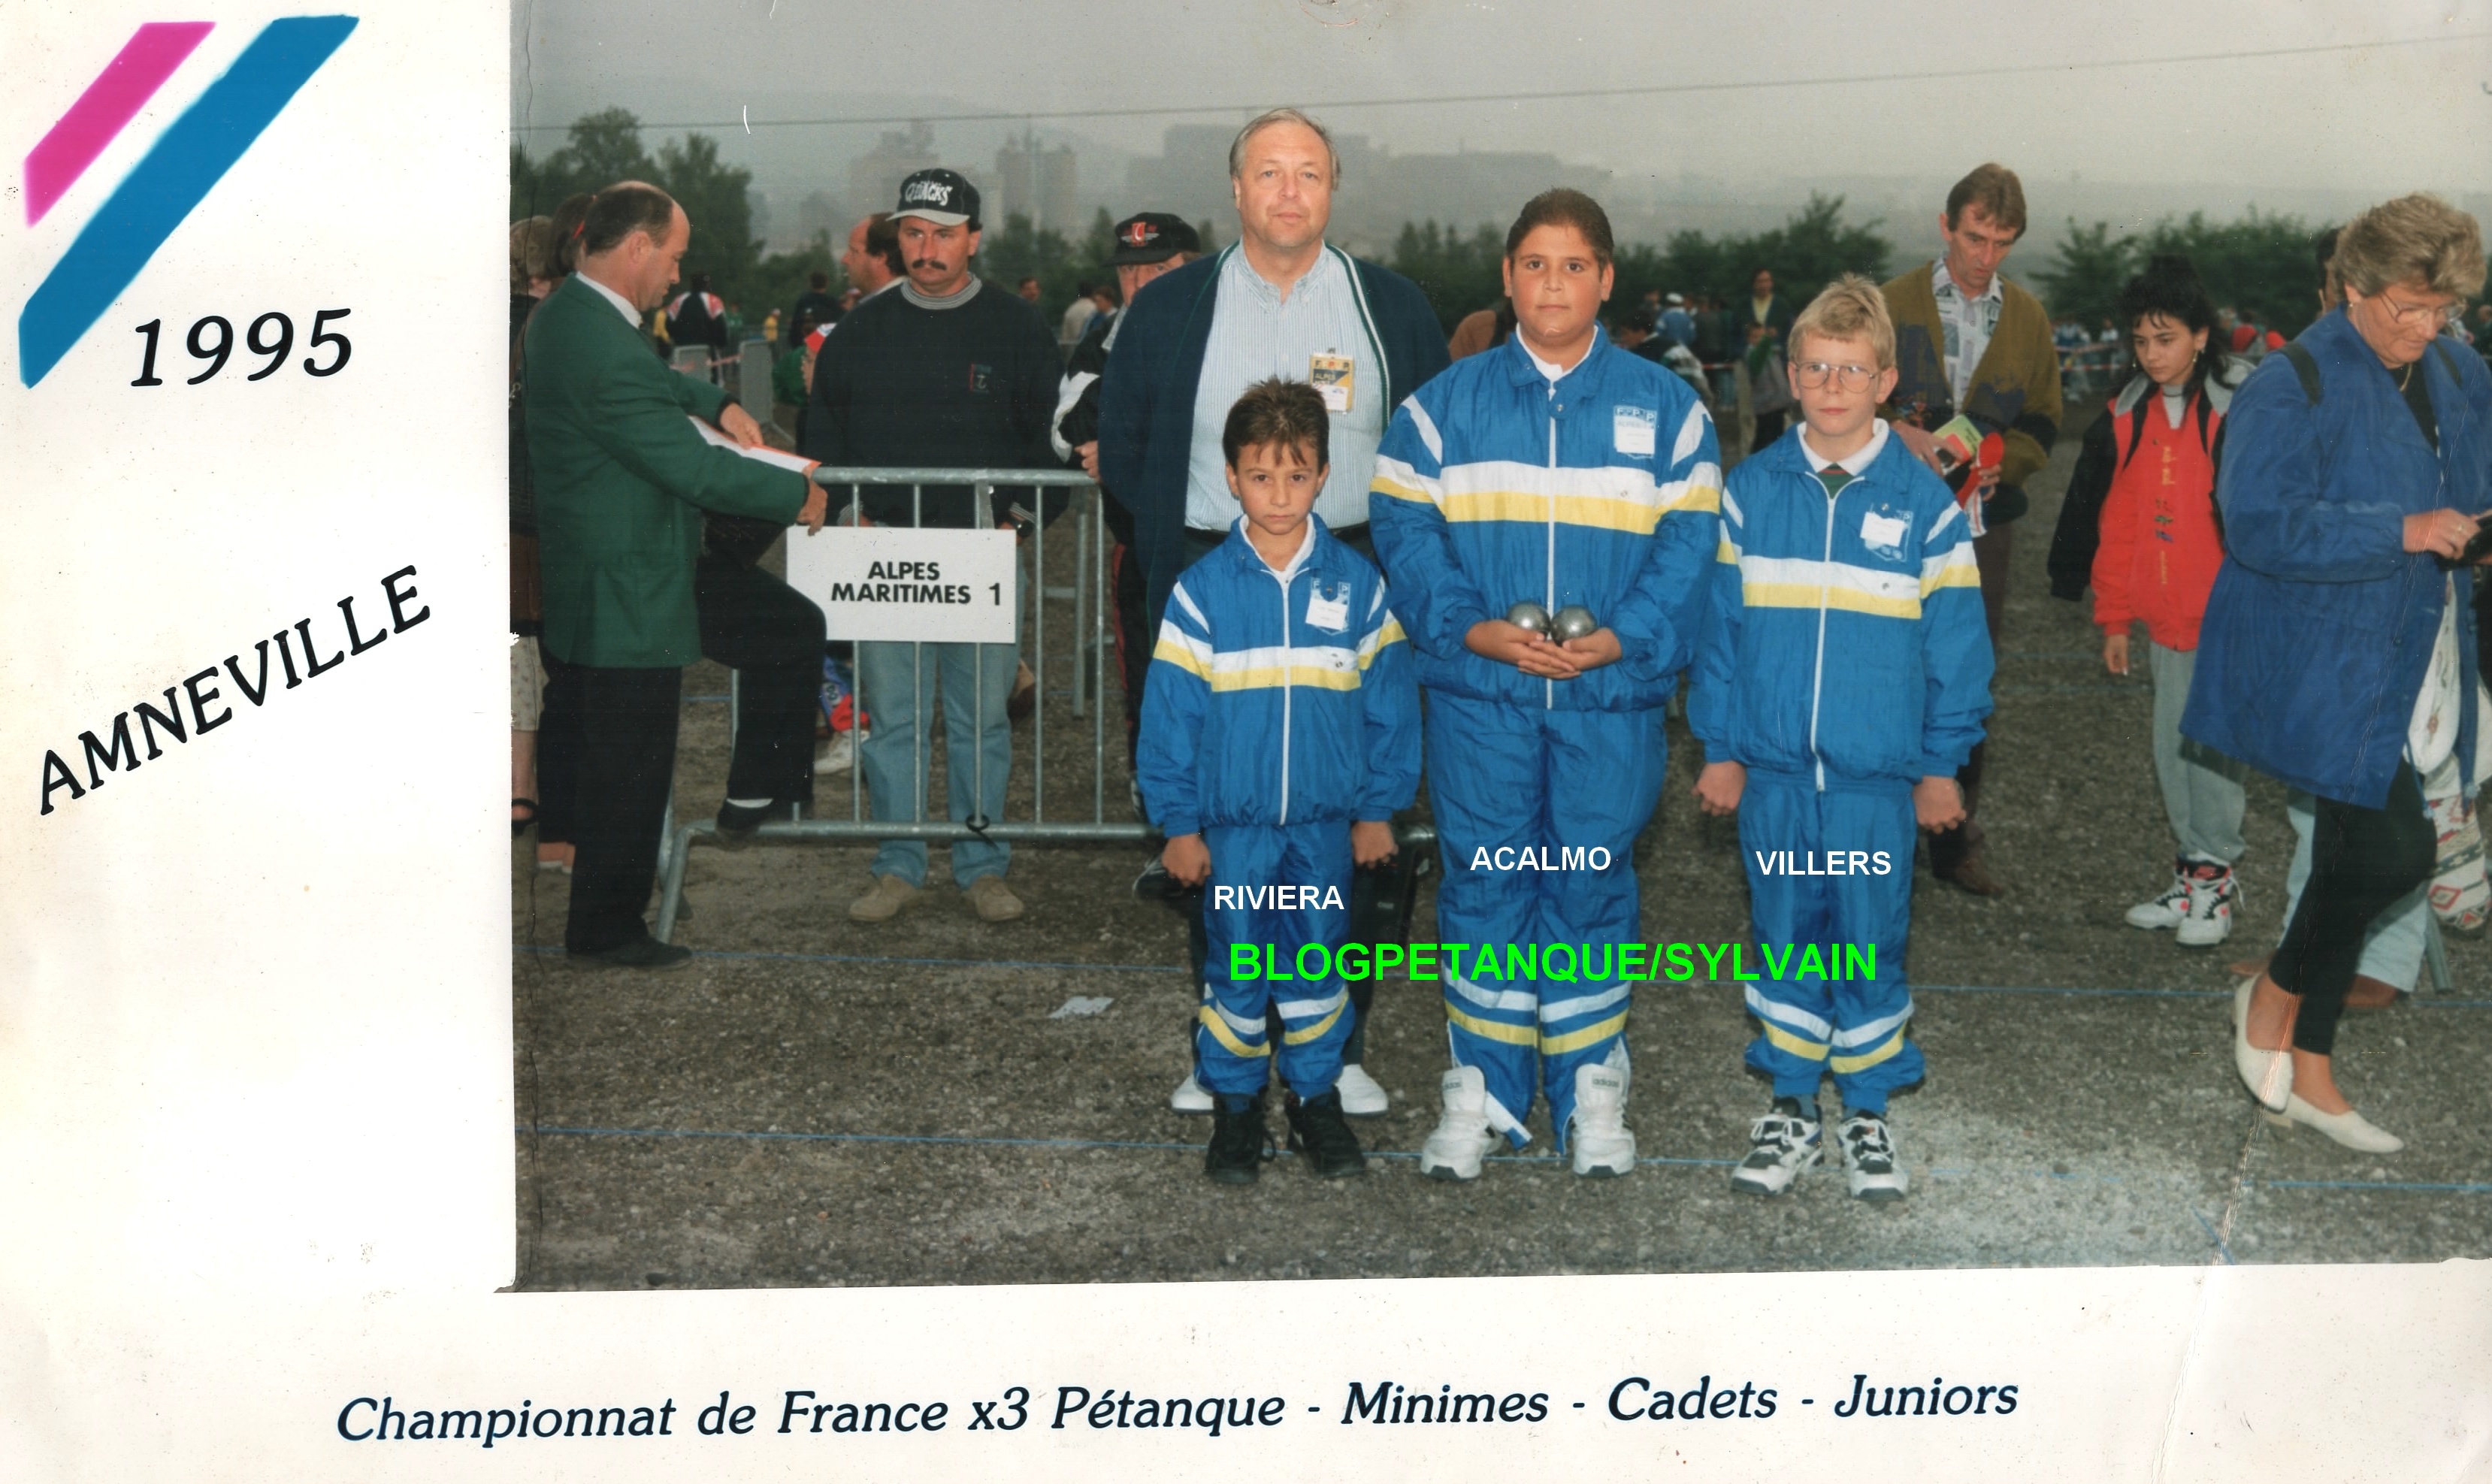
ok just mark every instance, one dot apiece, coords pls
pixel 940 197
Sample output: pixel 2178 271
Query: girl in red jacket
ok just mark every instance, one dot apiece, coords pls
pixel 2148 466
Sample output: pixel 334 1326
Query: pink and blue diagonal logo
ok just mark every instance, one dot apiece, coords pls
pixel 177 172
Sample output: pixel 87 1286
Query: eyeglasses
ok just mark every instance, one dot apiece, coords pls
pixel 1850 378
pixel 2434 315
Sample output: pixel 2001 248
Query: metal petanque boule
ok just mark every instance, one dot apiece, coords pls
pixel 1529 615
pixel 1573 621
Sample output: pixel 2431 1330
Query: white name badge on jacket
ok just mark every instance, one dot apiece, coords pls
pixel 1884 534
pixel 1329 612
pixel 1632 430
pixel 1333 380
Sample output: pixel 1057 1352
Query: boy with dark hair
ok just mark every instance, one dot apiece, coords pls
pixel 1845 675
pixel 1562 479
pixel 1280 733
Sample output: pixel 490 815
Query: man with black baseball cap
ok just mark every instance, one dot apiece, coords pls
pixel 945 371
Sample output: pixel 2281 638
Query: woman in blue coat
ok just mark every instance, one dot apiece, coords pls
pixel 2338 652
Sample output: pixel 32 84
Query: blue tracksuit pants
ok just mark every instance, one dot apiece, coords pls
pixel 1817 1023
pixel 1510 778
pixel 1232 1048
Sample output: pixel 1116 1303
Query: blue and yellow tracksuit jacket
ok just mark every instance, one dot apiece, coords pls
pixel 1501 489
pixel 1495 485
pixel 1280 708
pixel 1278 698
pixel 1845 638
pixel 1846 658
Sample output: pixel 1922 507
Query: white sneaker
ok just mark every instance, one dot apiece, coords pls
pixel 1462 1137
pixel 2213 892
pixel 839 755
pixel 1597 1132
pixel 2168 910
pixel 1361 1096
pixel 1870 1166
pixel 1780 1146
pixel 1189 1097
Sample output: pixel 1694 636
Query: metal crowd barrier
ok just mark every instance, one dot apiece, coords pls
pixel 1088 597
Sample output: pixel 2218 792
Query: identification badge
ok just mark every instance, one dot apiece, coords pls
pixel 1632 430
pixel 1885 534
pixel 1333 381
pixel 1328 611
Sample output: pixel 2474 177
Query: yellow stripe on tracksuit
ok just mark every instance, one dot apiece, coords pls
pixel 1220 1032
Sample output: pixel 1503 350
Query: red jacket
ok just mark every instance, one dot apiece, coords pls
pixel 2161 540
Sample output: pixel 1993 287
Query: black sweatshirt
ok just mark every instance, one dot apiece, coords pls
pixel 971 385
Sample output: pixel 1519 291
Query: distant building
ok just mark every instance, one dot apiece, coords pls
pixel 1379 189
pixel 1039 182
pixel 817 215
pixel 875 176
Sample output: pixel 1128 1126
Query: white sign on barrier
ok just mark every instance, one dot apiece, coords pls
pixel 896 582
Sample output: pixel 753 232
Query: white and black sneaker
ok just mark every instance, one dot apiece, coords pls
pixel 2213 892
pixel 1780 1146
pixel 1870 1166
pixel 2169 909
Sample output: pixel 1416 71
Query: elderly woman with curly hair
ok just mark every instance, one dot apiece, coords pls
pixel 2337 649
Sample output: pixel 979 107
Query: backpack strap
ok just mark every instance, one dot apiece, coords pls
pixel 2306 370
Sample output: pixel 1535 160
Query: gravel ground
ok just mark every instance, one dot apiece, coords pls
pixel 818 1102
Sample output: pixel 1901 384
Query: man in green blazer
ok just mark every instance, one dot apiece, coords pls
pixel 622 478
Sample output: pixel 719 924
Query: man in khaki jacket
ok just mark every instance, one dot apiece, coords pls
pixel 1968 342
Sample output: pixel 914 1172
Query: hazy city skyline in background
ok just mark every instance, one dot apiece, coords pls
pixel 2314 133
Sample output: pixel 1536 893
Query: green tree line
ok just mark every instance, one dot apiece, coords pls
pixel 2260 265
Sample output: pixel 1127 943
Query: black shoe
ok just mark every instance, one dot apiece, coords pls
pixel 1318 1130
pixel 1239 1141
pixel 640 953
pixel 737 823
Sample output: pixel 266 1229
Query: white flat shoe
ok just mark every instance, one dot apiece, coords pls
pixel 2348 1128
pixel 2268 1075
pixel 1361 1095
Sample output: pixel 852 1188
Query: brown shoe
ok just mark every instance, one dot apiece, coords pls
pixel 2369 994
pixel 883 901
pixel 993 899
pixel 1974 877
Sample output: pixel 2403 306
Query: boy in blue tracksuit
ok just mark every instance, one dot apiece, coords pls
pixel 1280 733
pixel 1561 471
pixel 1844 678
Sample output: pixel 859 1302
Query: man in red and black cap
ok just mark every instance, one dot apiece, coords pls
pixel 1148 244
pixel 946 372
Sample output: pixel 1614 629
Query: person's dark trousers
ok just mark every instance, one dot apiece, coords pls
pixel 627 763
pixel 2361 862
pixel 1133 636
pixel 772 635
pixel 557 752
pixel 1769 427
pixel 1951 848
pixel 1363 883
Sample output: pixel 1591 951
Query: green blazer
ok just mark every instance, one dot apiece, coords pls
pixel 621 482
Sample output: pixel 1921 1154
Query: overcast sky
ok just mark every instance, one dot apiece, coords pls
pixel 2375 118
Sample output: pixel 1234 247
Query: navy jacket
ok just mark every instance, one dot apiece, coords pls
pixel 1146 395
pixel 2320 627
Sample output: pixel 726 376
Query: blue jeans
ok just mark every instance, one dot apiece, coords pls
pixel 972 679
